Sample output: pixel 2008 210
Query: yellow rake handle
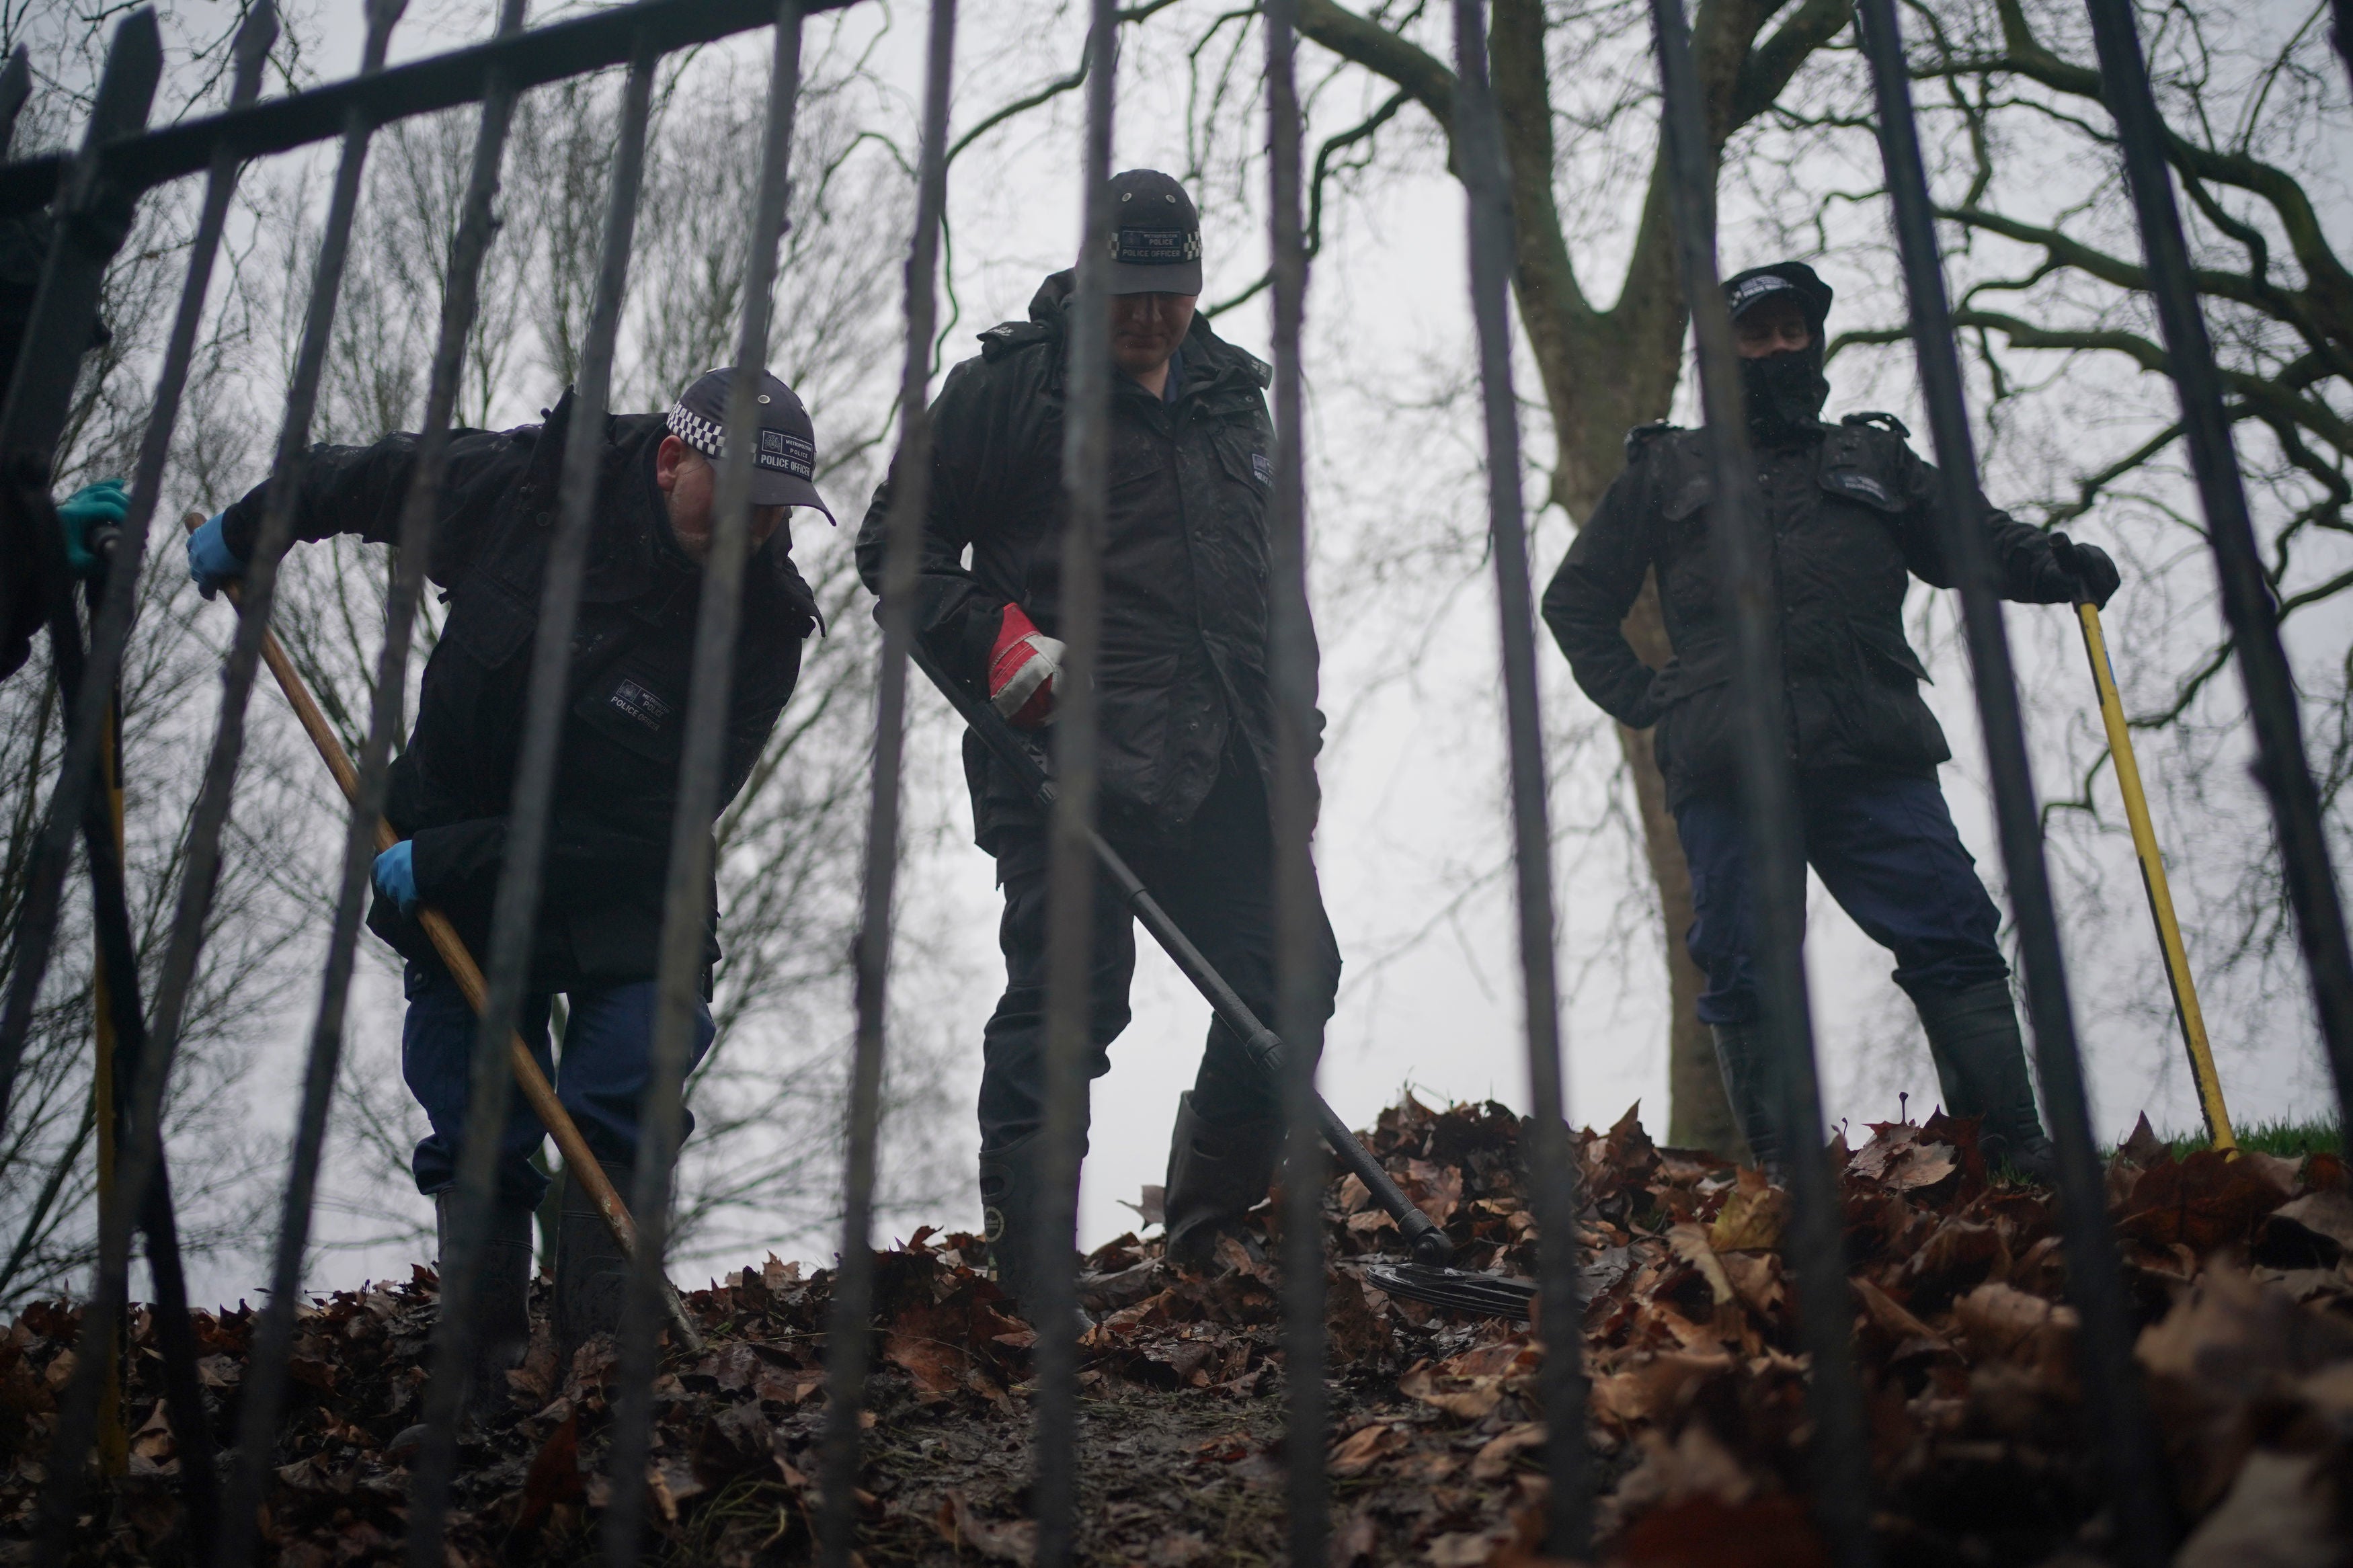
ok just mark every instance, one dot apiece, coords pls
pixel 2152 877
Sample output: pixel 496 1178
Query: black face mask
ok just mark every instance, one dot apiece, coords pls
pixel 1783 393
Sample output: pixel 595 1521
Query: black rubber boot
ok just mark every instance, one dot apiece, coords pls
pixel 501 1301
pixel 1010 1181
pixel 1217 1173
pixel 591 1272
pixel 1750 1083
pixel 1981 1063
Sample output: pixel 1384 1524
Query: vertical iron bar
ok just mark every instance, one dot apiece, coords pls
pixel 1292 661
pixel 1839 1457
pixel 2248 603
pixel 2138 1500
pixel 86 724
pixel 846 1346
pixel 1070 864
pixel 686 898
pixel 1479 153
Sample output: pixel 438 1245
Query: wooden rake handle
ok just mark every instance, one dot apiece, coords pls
pixel 580 1163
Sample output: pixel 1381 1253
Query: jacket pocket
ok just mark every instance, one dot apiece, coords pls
pixel 489 624
pixel 1886 652
pixel 1864 489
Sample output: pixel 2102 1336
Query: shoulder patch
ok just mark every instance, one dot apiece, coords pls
pixel 1642 436
pixel 1007 336
pixel 1887 422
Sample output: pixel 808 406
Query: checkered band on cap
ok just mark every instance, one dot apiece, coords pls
pixel 1157 247
pixel 703 435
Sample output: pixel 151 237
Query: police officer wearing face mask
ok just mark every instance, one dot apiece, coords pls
pixel 1854 515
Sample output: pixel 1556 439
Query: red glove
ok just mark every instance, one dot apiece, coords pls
pixel 1021 671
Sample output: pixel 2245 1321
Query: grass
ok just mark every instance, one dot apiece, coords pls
pixel 2287 1138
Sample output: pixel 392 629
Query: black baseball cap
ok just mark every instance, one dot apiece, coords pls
pixel 1156 236
pixel 1743 289
pixel 783 463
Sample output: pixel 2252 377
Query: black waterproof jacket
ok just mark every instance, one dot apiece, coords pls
pixel 1183 673
pixel 617 773
pixel 1856 514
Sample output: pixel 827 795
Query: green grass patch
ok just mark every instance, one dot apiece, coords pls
pixel 2284 1138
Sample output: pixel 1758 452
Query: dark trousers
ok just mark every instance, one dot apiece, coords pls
pixel 1884 845
pixel 608 1066
pixel 1216 881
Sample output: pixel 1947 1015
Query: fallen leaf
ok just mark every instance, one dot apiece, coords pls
pixel 2279 1513
pixel 1356 1453
pixel 1006 1540
pixel 1689 1244
pixel 1751 1219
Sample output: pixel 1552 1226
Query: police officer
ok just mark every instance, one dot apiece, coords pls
pixel 616 775
pixel 1854 514
pixel 1187 727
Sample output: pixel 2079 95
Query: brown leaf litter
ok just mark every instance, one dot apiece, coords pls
pixel 2238 1269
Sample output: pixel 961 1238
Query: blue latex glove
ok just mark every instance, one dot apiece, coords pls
pixel 102 505
pixel 395 876
pixel 211 562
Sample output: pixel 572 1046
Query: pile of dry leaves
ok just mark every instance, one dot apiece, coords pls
pixel 2237 1266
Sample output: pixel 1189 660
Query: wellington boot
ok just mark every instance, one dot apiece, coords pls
pixel 1217 1175
pixel 500 1309
pixel 591 1272
pixel 1011 1179
pixel 1981 1063
pixel 1744 1054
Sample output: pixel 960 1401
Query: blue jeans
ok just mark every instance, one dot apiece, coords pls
pixel 608 1066
pixel 1884 845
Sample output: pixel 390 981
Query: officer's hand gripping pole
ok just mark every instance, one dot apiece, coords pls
pixel 1430 1276
pixel 580 1162
pixel 2152 881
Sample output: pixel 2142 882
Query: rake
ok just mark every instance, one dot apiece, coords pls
pixel 1427 1275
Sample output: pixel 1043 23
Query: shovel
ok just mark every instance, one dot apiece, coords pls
pixel 579 1163
pixel 1428 1276
pixel 2152 877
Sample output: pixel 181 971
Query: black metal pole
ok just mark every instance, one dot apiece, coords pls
pixel 580 44
pixel 2306 865
pixel 2139 1501
pixel 846 1345
pixel 1070 876
pixel 1479 154
pixel 1840 1453
pixel 1298 905
pixel 684 904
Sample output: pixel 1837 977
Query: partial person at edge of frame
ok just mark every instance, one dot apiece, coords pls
pixel 88 516
pixel 1853 515
pixel 1187 753
pixel 598 934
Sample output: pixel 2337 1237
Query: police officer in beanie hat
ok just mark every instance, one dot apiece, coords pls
pixel 1188 720
pixel 1854 515
pixel 616 775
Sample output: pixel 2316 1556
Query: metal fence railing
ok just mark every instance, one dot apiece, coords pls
pixel 93 192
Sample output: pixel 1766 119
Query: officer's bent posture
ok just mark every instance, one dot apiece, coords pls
pixel 617 776
pixel 1188 728
pixel 1854 514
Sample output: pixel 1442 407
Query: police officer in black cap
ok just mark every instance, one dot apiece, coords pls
pixel 1187 725
pixel 616 775
pixel 1854 514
